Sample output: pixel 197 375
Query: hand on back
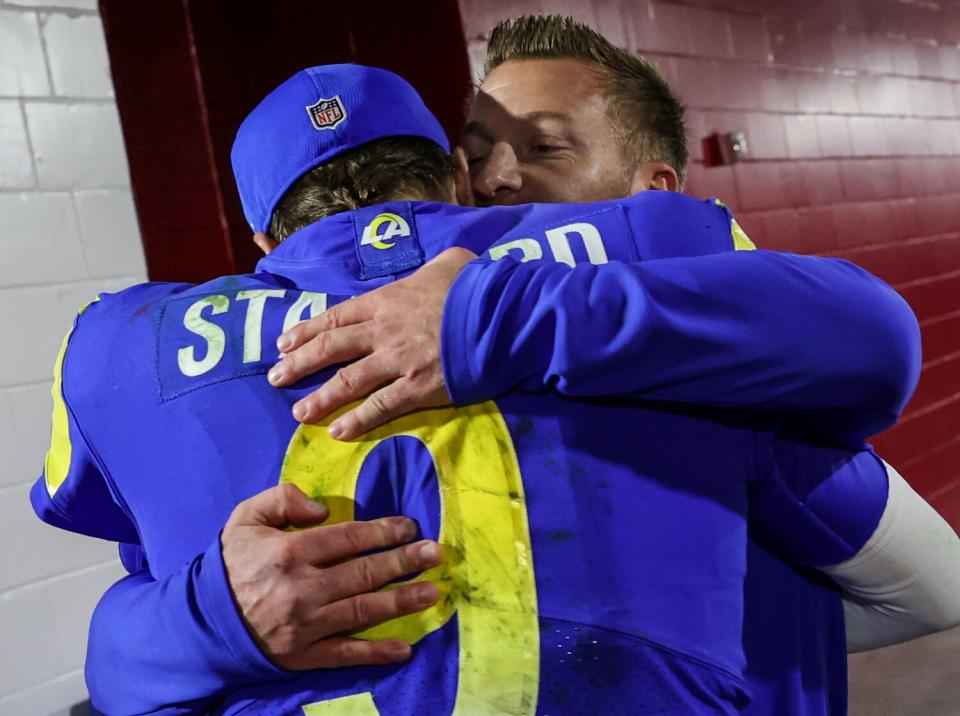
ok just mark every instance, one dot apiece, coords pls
pixel 301 592
pixel 391 334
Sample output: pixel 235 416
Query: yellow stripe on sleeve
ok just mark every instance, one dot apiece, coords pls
pixel 57 465
pixel 741 242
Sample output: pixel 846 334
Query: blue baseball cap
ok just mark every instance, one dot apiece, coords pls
pixel 315 115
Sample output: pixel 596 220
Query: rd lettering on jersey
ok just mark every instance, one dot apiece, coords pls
pixel 558 241
pixel 594 237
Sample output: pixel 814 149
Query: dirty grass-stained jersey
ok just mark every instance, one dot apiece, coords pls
pixel 595 550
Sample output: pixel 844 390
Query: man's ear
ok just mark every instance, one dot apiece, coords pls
pixel 463 187
pixel 265 242
pixel 654 175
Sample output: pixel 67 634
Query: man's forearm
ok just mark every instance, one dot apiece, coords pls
pixel 171 646
pixel 259 605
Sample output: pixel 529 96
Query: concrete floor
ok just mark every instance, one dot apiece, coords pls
pixel 919 678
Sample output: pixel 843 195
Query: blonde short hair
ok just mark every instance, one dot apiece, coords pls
pixel 643 110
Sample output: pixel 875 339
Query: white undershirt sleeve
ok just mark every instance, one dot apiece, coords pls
pixel 905 581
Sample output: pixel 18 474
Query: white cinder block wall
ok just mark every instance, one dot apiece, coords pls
pixel 67 231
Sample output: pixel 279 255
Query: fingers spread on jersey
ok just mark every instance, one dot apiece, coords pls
pixel 369 573
pixel 342 541
pixel 348 384
pixel 389 402
pixel 326 348
pixel 367 610
pixel 354 310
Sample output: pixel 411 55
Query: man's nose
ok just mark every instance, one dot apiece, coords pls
pixel 499 176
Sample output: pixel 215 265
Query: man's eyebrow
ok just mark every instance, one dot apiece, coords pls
pixel 544 115
pixel 477 128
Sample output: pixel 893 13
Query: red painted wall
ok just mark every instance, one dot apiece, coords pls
pixel 852 115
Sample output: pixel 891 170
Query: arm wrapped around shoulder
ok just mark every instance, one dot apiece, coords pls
pixel 820 338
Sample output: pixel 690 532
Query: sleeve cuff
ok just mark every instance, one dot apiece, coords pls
pixel 216 600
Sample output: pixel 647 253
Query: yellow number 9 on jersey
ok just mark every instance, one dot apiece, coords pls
pixel 487 572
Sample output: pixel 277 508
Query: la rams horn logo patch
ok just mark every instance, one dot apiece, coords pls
pixel 327 113
pixel 393 227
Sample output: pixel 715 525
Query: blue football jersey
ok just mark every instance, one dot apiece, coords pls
pixel 596 550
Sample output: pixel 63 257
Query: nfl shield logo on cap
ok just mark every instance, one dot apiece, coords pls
pixel 276 144
pixel 327 113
